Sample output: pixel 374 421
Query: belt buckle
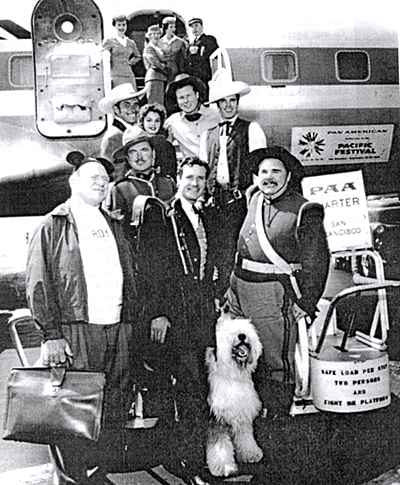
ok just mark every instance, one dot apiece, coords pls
pixel 237 194
pixel 211 202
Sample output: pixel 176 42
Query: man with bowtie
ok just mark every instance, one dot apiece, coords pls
pixel 199 51
pixel 186 94
pixel 226 148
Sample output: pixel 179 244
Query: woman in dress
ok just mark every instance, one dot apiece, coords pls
pixel 173 47
pixel 122 53
pixel 156 67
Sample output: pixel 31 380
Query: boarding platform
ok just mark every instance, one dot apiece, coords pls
pixel 322 448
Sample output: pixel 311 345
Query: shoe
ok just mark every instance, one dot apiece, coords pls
pixel 192 476
pixel 197 480
pixel 99 477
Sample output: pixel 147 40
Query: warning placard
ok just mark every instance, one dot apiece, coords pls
pixel 345 204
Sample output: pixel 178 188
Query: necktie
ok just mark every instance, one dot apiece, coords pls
pixel 194 217
pixel 193 117
pixel 202 238
pixel 222 166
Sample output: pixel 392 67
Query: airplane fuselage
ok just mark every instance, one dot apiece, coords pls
pixel 334 104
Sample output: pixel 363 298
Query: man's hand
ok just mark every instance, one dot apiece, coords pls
pixel 298 312
pixel 158 329
pixel 56 352
pixel 217 306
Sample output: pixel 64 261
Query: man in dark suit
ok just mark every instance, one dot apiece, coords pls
pixel 175 273
pixel 199 52
pixel 176 257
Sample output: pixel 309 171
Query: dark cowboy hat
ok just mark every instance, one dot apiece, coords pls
pixel 181 81
pixel 78 159
pixel 291 163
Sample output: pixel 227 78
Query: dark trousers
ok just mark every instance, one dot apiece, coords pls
pixel 226 223
pixel 98 348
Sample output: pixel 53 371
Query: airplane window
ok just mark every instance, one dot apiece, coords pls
pixel 279 66
pixel 352 66
pixel 21 71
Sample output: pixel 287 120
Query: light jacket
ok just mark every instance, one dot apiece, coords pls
pixel 154 62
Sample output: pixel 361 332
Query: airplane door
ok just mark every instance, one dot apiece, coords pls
pixel 67 37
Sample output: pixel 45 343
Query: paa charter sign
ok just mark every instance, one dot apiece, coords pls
pixel 332 145
pixel 345 204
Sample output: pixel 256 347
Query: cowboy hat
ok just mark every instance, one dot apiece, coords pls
pixel 120 93
pixel 182 80
pixel 226 90
pixel 132 136
pixel 222 86
pixel 290 162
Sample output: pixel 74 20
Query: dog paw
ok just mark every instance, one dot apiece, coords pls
pixel 251 456
pixel 223 470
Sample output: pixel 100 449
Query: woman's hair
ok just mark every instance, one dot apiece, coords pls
pixel 167 21
pixel 148 108
pixel 119 18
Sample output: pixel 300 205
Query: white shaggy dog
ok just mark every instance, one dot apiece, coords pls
pixel 233 400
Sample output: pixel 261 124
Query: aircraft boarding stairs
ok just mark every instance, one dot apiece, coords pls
pixel 339 368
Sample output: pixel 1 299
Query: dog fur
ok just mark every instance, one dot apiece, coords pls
pixel 233 400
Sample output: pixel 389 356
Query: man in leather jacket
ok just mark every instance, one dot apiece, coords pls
pixel 81 292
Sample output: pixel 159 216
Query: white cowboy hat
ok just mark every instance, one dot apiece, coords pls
pixel 222 86
pixel 119 93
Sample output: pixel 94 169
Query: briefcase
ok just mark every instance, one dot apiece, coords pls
pixel 47 404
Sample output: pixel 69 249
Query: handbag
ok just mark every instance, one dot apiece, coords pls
pixel 47 404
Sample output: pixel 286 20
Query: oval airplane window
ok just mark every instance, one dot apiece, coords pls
pixel 352 66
